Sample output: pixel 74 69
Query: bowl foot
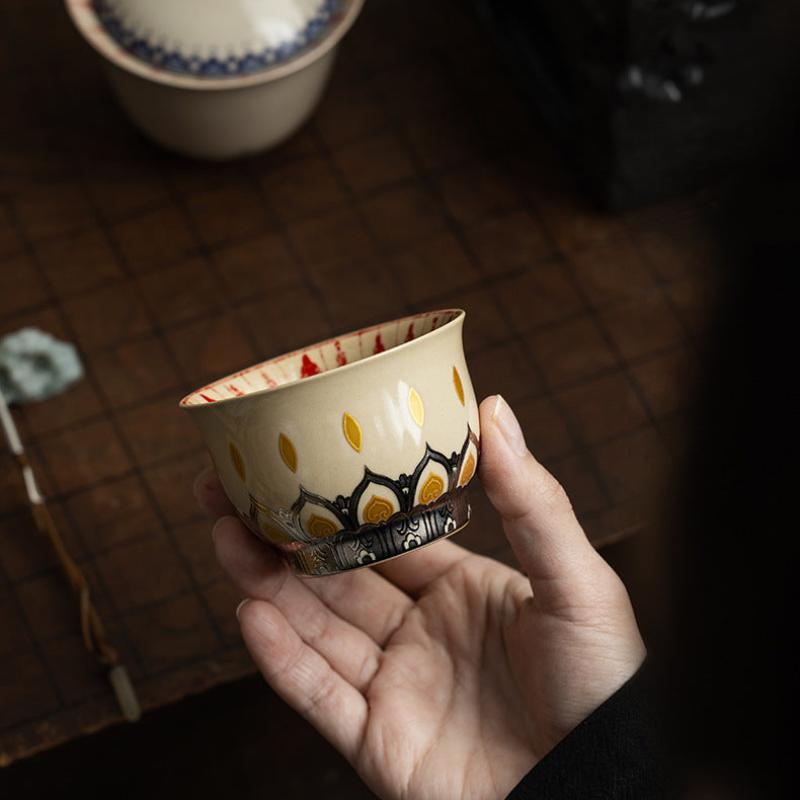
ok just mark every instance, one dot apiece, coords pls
pixel 399 535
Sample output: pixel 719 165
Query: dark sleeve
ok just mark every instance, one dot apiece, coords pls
pixel 614 753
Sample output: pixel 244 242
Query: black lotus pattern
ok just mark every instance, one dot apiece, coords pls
pixel 381 518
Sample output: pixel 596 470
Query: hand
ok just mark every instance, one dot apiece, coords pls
pixel 444 674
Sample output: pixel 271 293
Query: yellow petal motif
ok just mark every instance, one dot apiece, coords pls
pixel 378 509
pixel 287 451
pixel 352 431
pixel 259 506
pixel 459 386
pixel 431 489
pixel 319 527
pixel 275 534
pixel 415 406
pixel 468 471
pixel 237 460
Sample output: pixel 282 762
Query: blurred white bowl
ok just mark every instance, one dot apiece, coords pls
pixel 220 78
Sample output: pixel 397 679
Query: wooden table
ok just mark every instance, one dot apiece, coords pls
pixel 421 182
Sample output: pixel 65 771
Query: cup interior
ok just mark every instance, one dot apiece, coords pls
pixel 317 359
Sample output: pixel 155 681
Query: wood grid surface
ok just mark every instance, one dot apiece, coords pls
pixel 422 181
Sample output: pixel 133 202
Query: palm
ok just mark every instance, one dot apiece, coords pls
pixel 444 674
pixel 449 676
pixel 477 672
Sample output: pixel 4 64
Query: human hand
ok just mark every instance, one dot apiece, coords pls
pixel 444 674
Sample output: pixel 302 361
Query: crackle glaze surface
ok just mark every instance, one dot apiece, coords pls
pixel 353 450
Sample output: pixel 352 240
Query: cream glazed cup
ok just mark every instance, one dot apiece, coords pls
pixel 351 451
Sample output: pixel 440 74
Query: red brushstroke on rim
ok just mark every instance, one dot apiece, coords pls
pixel 276 363
pixel 308 367
pixel 269 381
pixel 379 348
pixel 341 358
pixel 235 389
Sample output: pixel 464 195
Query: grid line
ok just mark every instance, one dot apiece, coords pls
pixel 487 182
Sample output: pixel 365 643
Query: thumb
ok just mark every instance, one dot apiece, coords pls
pixel 564 569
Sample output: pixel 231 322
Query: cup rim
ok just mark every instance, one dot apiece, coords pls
pixel 459 316
pixel 86 21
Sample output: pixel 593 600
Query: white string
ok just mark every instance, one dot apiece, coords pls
pixel 15 443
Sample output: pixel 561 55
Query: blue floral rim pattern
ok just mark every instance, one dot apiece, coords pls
pixel 213 66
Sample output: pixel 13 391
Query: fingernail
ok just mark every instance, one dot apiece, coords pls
pixel 241 606
pixel 504 418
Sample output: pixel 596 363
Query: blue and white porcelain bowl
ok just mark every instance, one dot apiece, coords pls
pixel 216 79
pixel 215 38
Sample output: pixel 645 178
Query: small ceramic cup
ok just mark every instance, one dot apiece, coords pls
pixel 216 79
pixel 353 450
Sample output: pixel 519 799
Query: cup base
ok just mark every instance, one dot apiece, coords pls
pixel 399 535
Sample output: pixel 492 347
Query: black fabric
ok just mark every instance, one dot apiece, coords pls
pixel 614 753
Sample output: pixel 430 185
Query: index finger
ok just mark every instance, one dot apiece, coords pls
pixel 211 496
